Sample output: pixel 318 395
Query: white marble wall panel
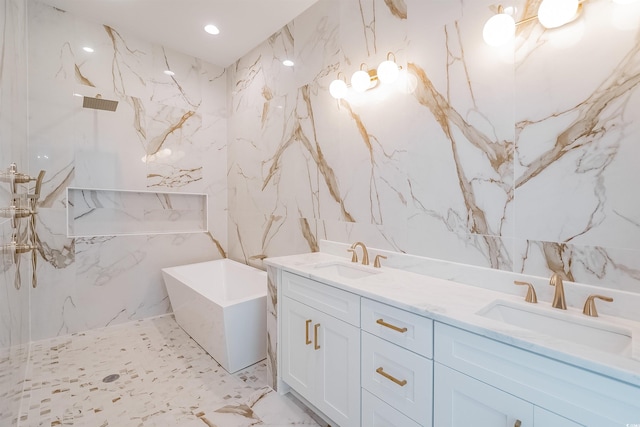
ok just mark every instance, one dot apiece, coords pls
pixel 575 202
pixel 496 157
pixel 168 134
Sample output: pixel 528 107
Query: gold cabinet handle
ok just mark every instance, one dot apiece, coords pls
pixel 518 423
pixel 307 341
pixel 315 336
pixel 381 371
pixel 390 326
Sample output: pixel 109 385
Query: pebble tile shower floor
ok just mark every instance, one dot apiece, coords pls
pixel 165 380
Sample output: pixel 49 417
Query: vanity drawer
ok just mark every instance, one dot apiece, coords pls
pixel 400 327
pixel 333 301
pixel 376 413
pixel 397 376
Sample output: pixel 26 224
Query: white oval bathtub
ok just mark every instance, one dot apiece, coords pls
pixel 222 305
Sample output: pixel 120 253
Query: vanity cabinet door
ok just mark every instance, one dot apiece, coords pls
pixel 320 361
pixel 461 401
pixel 339 370
pixel 299 361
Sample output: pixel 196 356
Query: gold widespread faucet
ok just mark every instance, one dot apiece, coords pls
pixel 365 253
pixel 376 262
pixel 558 296
pixel 531 292
pixel 590 305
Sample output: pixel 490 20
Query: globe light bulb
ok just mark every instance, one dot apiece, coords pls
pixel 499 30
pixel 555 13
pixel 388 72
pixel 360 81
pixel 338 89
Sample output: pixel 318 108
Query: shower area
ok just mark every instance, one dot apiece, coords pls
pixel 110 170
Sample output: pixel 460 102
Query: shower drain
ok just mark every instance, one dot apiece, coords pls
pixel 110 378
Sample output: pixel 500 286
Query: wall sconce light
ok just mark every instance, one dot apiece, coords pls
pixel 364 79
pixel 556 13
pixel 500 29
pixel 388 72
pixel 338 88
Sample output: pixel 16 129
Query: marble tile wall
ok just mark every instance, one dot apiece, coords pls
pixel 14 278
pixel 168 134
pixel 519 158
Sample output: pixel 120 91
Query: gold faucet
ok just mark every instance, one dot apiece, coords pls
pixel 590 305
pixel 531 292
pixel 376 262
pixel 558 295
pixel 365 254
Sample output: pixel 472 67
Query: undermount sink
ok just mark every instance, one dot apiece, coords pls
pixel 344 270
pixel 572 327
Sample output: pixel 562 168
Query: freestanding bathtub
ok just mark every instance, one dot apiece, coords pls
pixel 222 305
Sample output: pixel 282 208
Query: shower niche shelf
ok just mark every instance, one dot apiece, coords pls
pixel 95 212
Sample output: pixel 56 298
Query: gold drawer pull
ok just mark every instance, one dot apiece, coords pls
pixel 315 336
pixel 390 326
pixel 391 378
pixel 307 341
pixel 518 423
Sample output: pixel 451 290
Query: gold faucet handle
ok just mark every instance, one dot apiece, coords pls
pixel 354 255
pixel 590 304
pixel 376 262
pixel 531 292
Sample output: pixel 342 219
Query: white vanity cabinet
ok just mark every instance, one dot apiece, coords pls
pixel 397 370
pixel 361 362
pixel 482 382
pixel 320 347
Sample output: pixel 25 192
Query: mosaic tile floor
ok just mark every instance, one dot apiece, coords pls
pixel 165 379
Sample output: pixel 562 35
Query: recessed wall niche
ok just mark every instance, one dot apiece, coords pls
pixel 97 212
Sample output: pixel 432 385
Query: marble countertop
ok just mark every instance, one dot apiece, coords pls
pixel 457 304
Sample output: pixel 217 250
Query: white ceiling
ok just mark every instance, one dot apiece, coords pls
pixel 178 24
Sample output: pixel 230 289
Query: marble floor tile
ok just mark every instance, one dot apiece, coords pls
pixel 163 379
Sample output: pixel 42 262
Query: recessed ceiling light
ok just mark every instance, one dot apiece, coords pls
pixel 211 29
pixel 169 73
pixel 287 63
pixel 88 49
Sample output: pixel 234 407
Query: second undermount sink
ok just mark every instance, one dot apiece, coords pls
pixel 572 327
pixel 345 270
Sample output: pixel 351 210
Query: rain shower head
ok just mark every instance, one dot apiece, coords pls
pixel 98 103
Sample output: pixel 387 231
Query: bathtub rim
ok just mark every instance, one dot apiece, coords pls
pixel 175 273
